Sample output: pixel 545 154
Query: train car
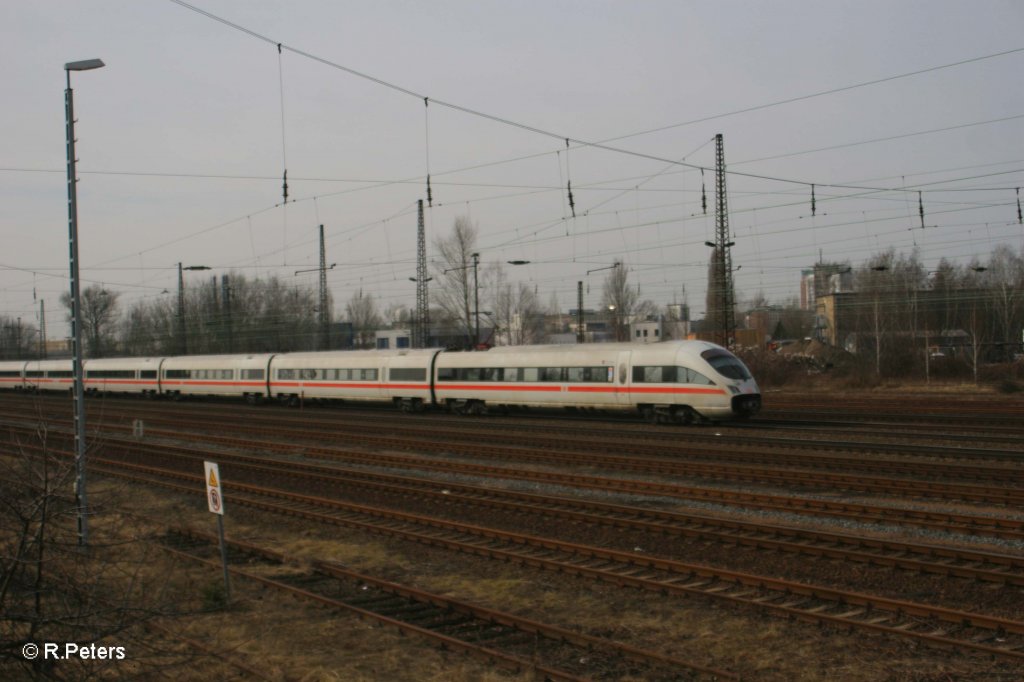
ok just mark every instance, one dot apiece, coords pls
pixel 123 375
pixel 12 374
pixel 680 381
pixel 684 381
pixel 241 376
pixel 49 375
pixel 673 381
pixel 532 376
pixel 399 376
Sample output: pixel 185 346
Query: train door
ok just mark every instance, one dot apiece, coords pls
pixel 623 378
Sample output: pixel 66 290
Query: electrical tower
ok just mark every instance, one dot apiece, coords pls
pixel 42 329
pixel 325 319
pixel 421 325
pixel 722 297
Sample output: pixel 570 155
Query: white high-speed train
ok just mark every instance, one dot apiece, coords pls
pixel 672 381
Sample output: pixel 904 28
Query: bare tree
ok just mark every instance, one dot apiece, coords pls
pixel 456 290
pixel 619 298
pixel 1004 280
pixel 16 338
pixel 98 318
pixel 518 316
pixel 52 591
pixel 362 313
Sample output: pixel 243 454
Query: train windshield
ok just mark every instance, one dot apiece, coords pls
pixel 726 364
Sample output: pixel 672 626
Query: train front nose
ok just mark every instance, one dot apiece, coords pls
pixel 746 405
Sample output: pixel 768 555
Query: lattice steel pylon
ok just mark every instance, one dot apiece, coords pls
pixel 325 318
pixel 421 325
pixel 725 303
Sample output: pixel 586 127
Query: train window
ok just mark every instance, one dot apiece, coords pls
pixel 177 373
pixel 252 374
pixel 530 374
pixel 664 374
pixel 551 373
pixel 60 374
pixel 286 374
pixel 695 377
pixel 227 374
pixel 34 373
pixel 10 373
pixel 408 374
pixel 307 374
pixel 147 374
pixel 109 374
pixel 490 374
pixel 726 364
pixel 587 374
pixel 446 374
pixel 646 375
pixel 367 374
pixel 510 374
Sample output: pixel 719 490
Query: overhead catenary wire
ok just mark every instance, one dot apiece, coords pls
pixel 565 186
pixel 602 144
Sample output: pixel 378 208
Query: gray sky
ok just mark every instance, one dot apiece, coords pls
pixel 182 142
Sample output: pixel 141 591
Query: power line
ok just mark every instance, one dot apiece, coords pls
pixel 601 144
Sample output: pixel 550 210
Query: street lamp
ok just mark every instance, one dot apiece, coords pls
pixel 476 293
pixel 76 301
pixel 181 304
pixel 580 334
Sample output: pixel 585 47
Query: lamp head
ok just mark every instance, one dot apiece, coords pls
pixel 84 65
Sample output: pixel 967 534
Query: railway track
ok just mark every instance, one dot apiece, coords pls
pixel 989 484
pixel 605 434
pixel 948 561
pixel 412 481
pixel 927 624
pixel 944 521
pixel 515 643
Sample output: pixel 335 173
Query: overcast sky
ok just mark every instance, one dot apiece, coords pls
pixel 183 139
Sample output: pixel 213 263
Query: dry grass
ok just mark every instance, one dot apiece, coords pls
pixel 300 641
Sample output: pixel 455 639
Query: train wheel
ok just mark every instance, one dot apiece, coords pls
pixel 650 415
pixel 682 414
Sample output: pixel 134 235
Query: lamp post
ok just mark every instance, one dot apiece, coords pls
pixel 580 333
pixel 76 302
pixel 182 334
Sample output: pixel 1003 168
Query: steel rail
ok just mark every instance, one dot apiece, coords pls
pixel 1005 528
pixel 483 616
pixel 938 626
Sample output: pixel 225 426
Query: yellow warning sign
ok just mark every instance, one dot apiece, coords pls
pixel 214 495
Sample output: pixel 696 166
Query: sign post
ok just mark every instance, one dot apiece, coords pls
pixel 215 501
